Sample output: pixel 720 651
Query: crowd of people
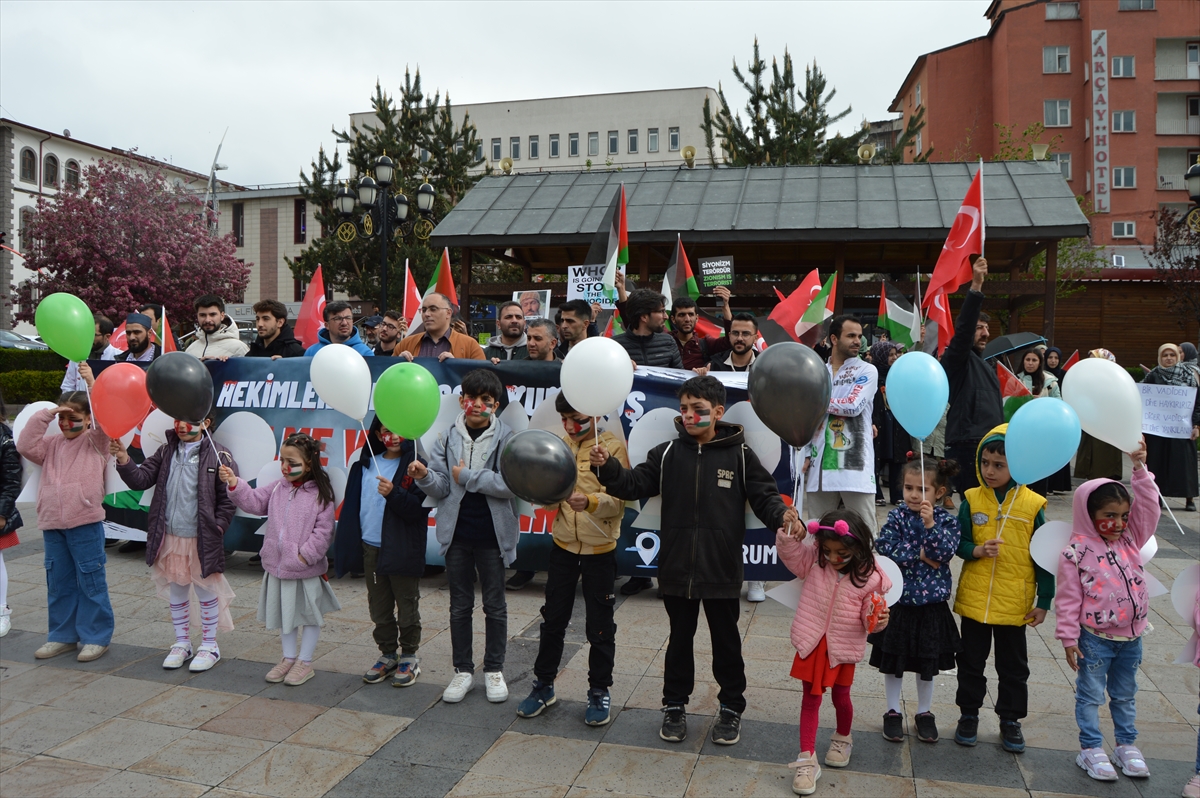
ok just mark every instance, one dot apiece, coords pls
pixel 382 529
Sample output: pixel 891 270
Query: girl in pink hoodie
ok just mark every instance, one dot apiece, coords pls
pixel 842 600
pixel 295 592
pixel 1102 603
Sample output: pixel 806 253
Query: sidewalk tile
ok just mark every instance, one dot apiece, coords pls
pixel 769 649
pixel 718 775
pixel 109 695
pixel 1052 732
pixel 430 742
pixel 774 706
pixel 629 659
pixel 291 771
pixel 347 658
pixel 760 741
pixel 128 784
pixel 263 719
pixel 479 784
pixel 872 753
pixel 565 720
pixel 221 792
pixel 10 708
pixel 849 783
pixel 622 768
pixel 150 669
pixel 1166 778
pixel 396 780
pixel 11 758
pixel 928 788
pixel 383 699
pixel 326 689
pixel 360 733
pixel 46 683
pixel 53 778
pixel 987 764
pixel 1170 679
pixel 203 757
pixel 117 743
pixel 184 706
pixel 1056 771
pixel 703 701
pixel 638 728
pixel 233 676
pixel 41 728
pixel 476 710
pixel 1169 741
pixel 551 760
pixel 587 792
pixel 10 668
pixel 573 683
pixel 117 657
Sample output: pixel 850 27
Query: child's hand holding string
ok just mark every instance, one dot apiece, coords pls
pixel 226 475
pixel 1139 456
pixel 927 513
pixel 599 456
pixel 989 549
pixel 117 450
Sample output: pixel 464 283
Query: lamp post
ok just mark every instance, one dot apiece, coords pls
pixel 1191 179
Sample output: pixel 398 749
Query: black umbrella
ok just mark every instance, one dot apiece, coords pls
pixel 1011 343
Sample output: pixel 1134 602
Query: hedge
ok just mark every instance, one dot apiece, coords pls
pixel 24 387
pixel 32 360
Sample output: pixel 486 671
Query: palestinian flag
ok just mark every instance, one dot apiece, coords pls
pixel 442 281
pixel 614 326
pixel 1013 392
pixel 679 279
pixel 898 317
pixel 610 245
pixel 808 329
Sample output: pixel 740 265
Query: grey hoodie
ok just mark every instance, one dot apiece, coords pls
pixel 496 348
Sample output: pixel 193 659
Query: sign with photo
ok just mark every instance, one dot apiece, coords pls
pixel 714 272
pixel 534 304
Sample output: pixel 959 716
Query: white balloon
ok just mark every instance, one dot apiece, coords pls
pixel 23 419
pixel 154 431
pixel 650 516
pixel 596 376
pixel 759 438
pixel 1154 588
pixel 1183 593
pixel 1107 401
pixel 653 428
pixel 441 425
pixel 1150 549
pixel 342 379
pixel 31 474
pixel 546 416
pixel 249 439
pixel 267 474
pixel 1047 544
pixel 889 567
pixel 112 480
pixel 1188 655
pixel 337 479
pixel 515 417
pixel 787 594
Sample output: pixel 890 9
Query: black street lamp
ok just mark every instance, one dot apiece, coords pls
pixel 385 214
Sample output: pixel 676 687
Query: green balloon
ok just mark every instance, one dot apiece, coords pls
pixel 66 325
pixel 407 399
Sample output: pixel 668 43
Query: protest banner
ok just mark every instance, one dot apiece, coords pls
pixel 714 272
pixel 587 283
pixel 1167 410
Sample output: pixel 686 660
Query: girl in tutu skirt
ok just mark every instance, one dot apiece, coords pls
pixel 10 519
pixel 921 537
pixel 295 592
pixel 185 538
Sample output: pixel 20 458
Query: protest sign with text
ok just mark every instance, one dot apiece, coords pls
pixel 587 283
pixel 1167 410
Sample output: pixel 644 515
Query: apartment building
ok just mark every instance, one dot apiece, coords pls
pixel 269 224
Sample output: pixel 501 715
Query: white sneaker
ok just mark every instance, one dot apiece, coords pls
pixel 1095 762
pixel 497 690
pixel 205 658
pixel 5 620
pixel 756 591
pixel 458 688
pixel 179 654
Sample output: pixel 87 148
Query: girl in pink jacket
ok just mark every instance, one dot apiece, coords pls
pixel 841 602
pixel 295 592
pixel 1102 603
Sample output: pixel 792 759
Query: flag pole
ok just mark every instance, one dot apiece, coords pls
pixel 982 215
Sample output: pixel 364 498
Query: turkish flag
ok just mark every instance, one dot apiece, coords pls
pixel 312 310
pixel 966 239
pixel 117 339
pixel 168 337
pixel 412 297
pixel 789 310
pixel 1071 361
pixel 939 313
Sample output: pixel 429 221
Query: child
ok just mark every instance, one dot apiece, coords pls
pixel 10 519
pixel 700 549
pixel 1192 788
pixel 586 530
pixel 70 509
pixel 1102 607
pixel 381 532
pixel 295 593
pixel 477 528
pixel 922 638
pixel 996 592
pixel 185 539
pixel 841 602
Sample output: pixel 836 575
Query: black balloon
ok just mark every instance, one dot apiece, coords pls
pixel 789 389
pixel 180 386
pixel 538 466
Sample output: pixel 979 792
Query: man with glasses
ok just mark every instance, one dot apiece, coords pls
pixel 391 329
pixel 437 339
pixel 339 329
pixel 743 333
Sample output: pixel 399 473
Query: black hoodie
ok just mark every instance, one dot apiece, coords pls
pixel 284 345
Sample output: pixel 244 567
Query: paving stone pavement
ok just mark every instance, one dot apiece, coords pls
pixel 123 726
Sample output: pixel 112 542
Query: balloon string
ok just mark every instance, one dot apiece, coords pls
pixel 88 391
pixel 596 425
pixel 367 443
pixel 1004 518
pixel 921 455
pixel 213 445
pixel 797 492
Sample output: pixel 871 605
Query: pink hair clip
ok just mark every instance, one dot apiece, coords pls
pixel 839 526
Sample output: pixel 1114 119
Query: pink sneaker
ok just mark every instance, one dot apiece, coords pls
pixel 300 673
pixel 1192 788
pixel 276 674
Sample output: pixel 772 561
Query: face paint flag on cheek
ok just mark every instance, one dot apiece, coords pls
pixel 68 425
pixel 576 427
pixel 292 472
pixel 391 440
pixel 700 418
pixel 1109 526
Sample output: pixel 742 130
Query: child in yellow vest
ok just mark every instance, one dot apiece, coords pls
pixel 995 595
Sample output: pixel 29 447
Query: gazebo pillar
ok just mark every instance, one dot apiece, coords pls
pixel 464 288
pixel 1051 285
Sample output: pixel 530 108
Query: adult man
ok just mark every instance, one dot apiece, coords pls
pixel 275 336
pixel 137 338
pixel 79 375
pixel 391 329
pixel 217 338
pixel 697 350
pixel 370 331
pixel 576 315
pixel 743 332
pixel 841 463
pixel 155 312
pixel 645 340
pixel 339 329
pixel 541 337
pixel 975 404
pixel 438 340
pixel 510 344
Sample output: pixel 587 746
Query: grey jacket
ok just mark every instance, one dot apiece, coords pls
pixel 439 484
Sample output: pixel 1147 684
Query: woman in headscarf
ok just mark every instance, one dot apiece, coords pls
pixel 1054 361
pixel 1095 458
pixel 1190 358
pixel 1173 460
pixel 891 445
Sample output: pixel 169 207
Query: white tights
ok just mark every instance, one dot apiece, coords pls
pixel 3 582
pixel 308 643
pixel 892 686
pixel 180 617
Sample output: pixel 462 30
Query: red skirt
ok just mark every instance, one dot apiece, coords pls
pixel 815 668
pixel 9 540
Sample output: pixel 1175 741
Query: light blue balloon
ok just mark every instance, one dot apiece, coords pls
pixel 917 392
pixel 1041 439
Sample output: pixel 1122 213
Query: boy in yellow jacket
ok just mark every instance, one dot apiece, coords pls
pixel 995 595
pixel 586 530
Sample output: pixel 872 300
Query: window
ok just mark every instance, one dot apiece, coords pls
pixel 673 139
pixel 1135 5
pixel 533 147
pixel 423 155
pixel 1062 10
pixel 553 145
pixel 50 172
pixel 652 140
pixel 1056 59
pixel 479 150
pixel 593 145
pixel 1118 261
pixel 458 146
pixel 573 145
pixel 1124 122
pixel 1122 66
pixel 917 96
pixel 633 142
pixel 514 148
pixel 23 231
pixel 1124 177
pixel 919 143
pixel 1193 107
pixel 239 224
pixel 613 142
pixel 1123 230
pixel 1058 113
pixel 299 221
pixel 28 166
pixel 72 174
pixel 1064 163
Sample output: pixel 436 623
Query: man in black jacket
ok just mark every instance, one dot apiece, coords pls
pixel 975 403
pixel 700 555
pixel 645 340
pixel 275 336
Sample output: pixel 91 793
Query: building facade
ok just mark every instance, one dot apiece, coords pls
pixel 1115 82
pixel 269 224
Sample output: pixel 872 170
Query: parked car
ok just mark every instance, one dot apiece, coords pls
pixel 12 340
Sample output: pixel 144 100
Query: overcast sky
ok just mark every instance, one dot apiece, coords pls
pixel 169 78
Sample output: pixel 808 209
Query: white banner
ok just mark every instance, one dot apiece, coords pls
pixel 587 283
pixel 1167 410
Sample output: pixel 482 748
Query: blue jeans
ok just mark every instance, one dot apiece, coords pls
pixel 1114 662
pixel 463 559
pixel 76 586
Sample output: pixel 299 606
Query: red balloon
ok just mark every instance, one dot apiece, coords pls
pixel 119 399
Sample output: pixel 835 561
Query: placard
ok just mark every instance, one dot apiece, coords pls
pixel 534 304
pixel 1167 410
pixel 715 271
pixel 587 283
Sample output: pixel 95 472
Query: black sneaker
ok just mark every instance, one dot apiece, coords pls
pixel 728 728
pixel 967 732
pixel 927 728
pixel 674 725
pixel 1011 737
pixel 636 584
pixel 519 580
pixel 130 546
pixel 893 726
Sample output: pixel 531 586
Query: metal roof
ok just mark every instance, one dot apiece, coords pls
pixel 1024 200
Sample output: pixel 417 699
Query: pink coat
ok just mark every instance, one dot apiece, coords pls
pixel 829 607
pixel 298 523
pixel 1102 585
pixel 71 492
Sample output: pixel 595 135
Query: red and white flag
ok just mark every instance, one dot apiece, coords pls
pixel 312 310
pixel 939 328
pixel 790 310
pixel 117 339
pixel 966 239
pixel 412 297
pixel 168 338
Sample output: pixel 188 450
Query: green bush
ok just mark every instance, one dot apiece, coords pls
pixel 1136 372
pixel 31 360
pixel 24 387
